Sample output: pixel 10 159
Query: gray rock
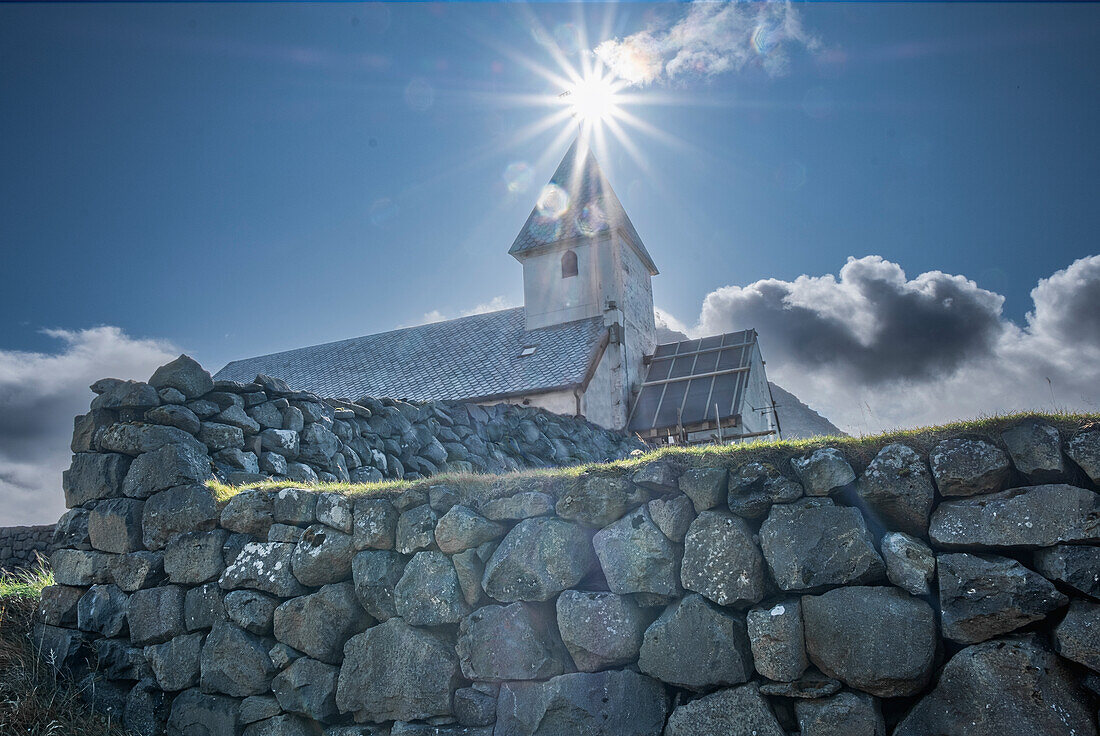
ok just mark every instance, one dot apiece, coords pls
pixel 248 512
pixel 308 687
pixel 283 442
pixel 318 444
pixel 195 557
pixel 400 728
pixel 778 645
pixel 164 468
pixel 294 506
pixel 613 703
pixel 461 529
pixel 175 511
pixel 706 487
pixel 696 645
pixel 811 685
pixel 672 516
pixel 538 559
pixel 636 557
pixel 376 574
pixel 1077 566
pixel 470 569
pixel 813 543
pixel 823 471
pixel 722 561
pixel 375 523
pixel 844 714
pixel 897 490
pixel 282 655
pixel 203 606
pixel 428 593
pixel 393 671
pixel 171 395
pixel 293 419
pixel 156 615
pixel 284 725
pixel 322 555
pixel 174 416
pixel 218 436
pixel 520 506
pixel 416 529
pixel 878 640
pixel 658 476
pixel 176 662
pixel 127 395
pixel 236 460
pixel 475 708
pixel 134 439
pixel 185 375
pixel 1036 451
pixel 320 623
pixel 268 415
pixel 251 610
pixel 1084 449
pixel 598 501
pixel 60 649
pixel 600 630
pixel 739 710
pixel 263 566
pixel 910 563
pixel 80 567
pixel 335 510
pixel 235 416
pixel 147 709
pixel 259 707
pixel 203 408
pixel 272 463
pixel 966 467
pixel 71 530
pixel 1022 518
pixel 755 487
pixel 102 610
pixel 284 533
pixel 197 714
pixel 114 525
pixel 235 662
pixel 58 603
pixel 982 596
pixel 117 660
pixel 1077 637
pixel 1006 686
pixel 93 476
pixel 514 642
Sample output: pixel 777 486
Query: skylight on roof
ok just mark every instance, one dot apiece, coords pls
pixel 527 351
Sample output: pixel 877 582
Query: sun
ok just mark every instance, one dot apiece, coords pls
pixel 592 99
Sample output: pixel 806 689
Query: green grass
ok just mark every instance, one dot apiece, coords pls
pixel 860 450
pixel 26 583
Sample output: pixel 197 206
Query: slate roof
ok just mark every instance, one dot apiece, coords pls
pixel 465 358
pixel 590 207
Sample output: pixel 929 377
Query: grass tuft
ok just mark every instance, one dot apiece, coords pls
pixel 33 701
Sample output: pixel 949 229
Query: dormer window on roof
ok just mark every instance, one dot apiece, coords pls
pixel 527 351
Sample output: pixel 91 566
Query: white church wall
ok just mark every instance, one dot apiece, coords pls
pixel 558 402
pixel 599 400
pixel 550 299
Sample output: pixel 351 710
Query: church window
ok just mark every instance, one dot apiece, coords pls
pixel 568 264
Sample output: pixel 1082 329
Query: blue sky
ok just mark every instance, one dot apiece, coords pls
pixel 236 179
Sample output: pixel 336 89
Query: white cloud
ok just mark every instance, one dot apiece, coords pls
pixel 712 38
pixel 40 393
pixel 873 349
pixel 495 304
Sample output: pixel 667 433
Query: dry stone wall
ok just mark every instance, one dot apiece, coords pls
pixel 952 591
pixel 23 546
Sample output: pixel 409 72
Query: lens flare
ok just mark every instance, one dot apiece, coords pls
pixel 593 99
pixel 591 218
pixel 765 37
pixel 553 202
pixel 518 176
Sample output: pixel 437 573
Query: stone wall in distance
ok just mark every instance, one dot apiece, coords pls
pixel 20 546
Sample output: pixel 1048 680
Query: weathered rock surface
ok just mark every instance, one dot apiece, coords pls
pixel 722 561
pixel 637 557
pixel 322 555
pixel 461 528
pixel 156 615
pixel 706 487
pixel 672 516
pixel 897 489
pixel 1036 450
pixel 93 476
pixel 416 529
pixel 134 439
pixel 966 467
pixel 875 639
pixel 58 603
pixel 235 662
pixel 514 642
pixel 597 501
pixel 248 512
pixel 982 596
pixel 910 564
pixel 307 687
pixel 1075 565
pixel 755 486
pixel 114 525
pixel 614 703
pixel 376 574
pixel 778 645
pixel 1077 637
pixel 195 557
pixel 102 610
pixel 176 662
pixel 175 511
pixel 164 468
pixel 185 375
pixel 600 630
pixel 393 671
pixel 1022 518
pixel 1084 449
pixel 251 610
pixel 812 543
pixel 843 714
pixel 518 507
pixel 375 523
pixel 823 471
pixel 696 645
pixel 195 713
pixel 428 593
pixel 538 559
pixel 203 606
pixel 263 566
pixel 475 708
pixel 320 623
pixel 739 710
pixel 80 567
pixel 1006 686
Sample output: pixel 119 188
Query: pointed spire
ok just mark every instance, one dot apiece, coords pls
pixel 577 203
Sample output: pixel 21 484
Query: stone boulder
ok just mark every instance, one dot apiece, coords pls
pixel 966 467
pixel 897 490
pixel 983 596
pixel 1078 566
pixel 235 662
pixel 1077 637
pixel 135 439
pixel 147 708
pixel 755 487
pixel 251 610
pixel 874 639
pixel 322 555
pixel 58 603
pixel 176 511
pixel 185 375
pixel 320 623
pixel 376 574
pixel 1036 450
pixel 538 559
pixel 156 615
pixel 813 543
pixel 283 442
pixel 1084 449
pixel 248 512
pixel 722 561
pixel 175 416
pixel 137 570
pixel 126 395
pixel 672 516
pixel 80 567
pixel 1005 686
pixel 514 642
pixel 696 645
pixel 286 725
pixel 600 630
pixel 637 557
pixel 823 471
pixel 910 563
pixel 739 710
pixel 94 476
pixel 176 663
pixel 308 687
pixel 114 525
pixel 203 606
pixel 597 501
pixel 416 529
pixel 613 703
pixel 777 642
pixel 102 610
pixel 374 523
pixel 428 593
pixel 164 468
pixel 195 713
pixel 335 510
pixel 706 487
pixel 518 507
pixel 461 529
pixel 393 671
pixel 1022 518
pixel 263 566
pixel 843 714
pixel 195 557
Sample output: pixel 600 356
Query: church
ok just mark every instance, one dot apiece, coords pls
pixel 584 343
